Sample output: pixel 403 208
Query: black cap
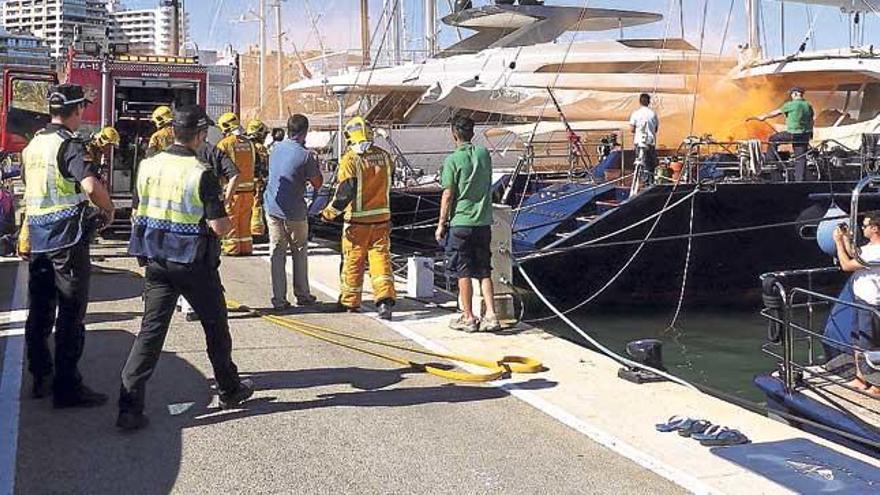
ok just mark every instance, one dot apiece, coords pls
pixel 191 117
pixel 65 95
pixel 796 89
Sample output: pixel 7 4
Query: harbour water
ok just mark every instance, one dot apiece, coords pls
pixel 720 348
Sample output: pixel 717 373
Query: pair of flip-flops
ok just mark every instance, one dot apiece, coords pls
pixel 703 431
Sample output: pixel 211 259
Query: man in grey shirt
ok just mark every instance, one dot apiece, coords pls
pixel 291 166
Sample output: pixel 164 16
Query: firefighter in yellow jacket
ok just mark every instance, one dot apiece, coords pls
pixel 257 131
pixel 243 152
pixel 163 137
pixel 363 187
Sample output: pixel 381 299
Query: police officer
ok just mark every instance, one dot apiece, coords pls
pixel 59 186
pixel 175 234
pixel 363 186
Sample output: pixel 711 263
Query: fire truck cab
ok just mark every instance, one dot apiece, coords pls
pixel 125 89
pixel 23 109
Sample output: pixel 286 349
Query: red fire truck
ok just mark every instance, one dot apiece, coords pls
pixel 22 106
pixel 125 89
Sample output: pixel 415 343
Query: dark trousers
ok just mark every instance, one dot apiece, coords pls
pixel 800 143
pixel 58 283
pixel 200 284
pixel 649 164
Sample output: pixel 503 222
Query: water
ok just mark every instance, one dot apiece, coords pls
pixel 718 348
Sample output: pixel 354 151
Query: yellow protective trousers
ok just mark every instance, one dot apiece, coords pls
pixel 239 241
pixel 257 225
pixel 360 243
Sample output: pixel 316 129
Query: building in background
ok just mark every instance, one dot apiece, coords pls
pixel 22 49
pixel 146 31
pixel 59 22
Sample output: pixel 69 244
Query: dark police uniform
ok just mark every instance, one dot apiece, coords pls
pixel 170 236
pixel 59 268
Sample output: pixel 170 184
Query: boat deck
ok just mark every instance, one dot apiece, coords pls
pixel 828 387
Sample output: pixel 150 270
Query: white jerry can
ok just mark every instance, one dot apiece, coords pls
pixel 420 277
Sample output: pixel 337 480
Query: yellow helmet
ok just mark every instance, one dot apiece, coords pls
pixel 108 135
pixel 228 122
pixel 162 116
pixel 256 128
pixel 357 130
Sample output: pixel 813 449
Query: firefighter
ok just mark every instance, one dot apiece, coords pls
pixel 257 131
pixel 179 216
pixel 163 137
pixel 363 186
pixel 244 154
pixel 59 186
pixel 100 143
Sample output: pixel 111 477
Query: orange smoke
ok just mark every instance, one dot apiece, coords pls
pixel 722 111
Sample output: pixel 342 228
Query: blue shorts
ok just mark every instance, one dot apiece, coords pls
pixel 469 251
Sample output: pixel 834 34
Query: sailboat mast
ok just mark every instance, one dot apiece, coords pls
pixel 365 31
pixel 430 28
pixel 753 14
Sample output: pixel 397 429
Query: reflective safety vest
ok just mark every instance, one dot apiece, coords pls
pixel 168 224
pixel 53 202
pixel 373 171
pixel 244 154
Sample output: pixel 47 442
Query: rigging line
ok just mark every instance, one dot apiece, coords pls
pixel 529 255
pixel 620 272
pixel 726 28
pixel 214 21
pixel 663 47
pixel 687 262
pixel 699 66
pixel 608 352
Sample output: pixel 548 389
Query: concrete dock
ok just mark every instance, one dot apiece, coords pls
pixel 326 419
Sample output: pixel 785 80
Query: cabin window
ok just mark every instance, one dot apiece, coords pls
pixel 28 107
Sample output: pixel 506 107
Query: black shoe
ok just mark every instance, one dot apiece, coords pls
pixel 244 392
pixel 82 397
pixel 42 386
pixel 129 421
pixel 341 308
pixel 384 309
pixel 191 316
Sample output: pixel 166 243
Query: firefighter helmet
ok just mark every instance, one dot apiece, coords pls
pixel 108 135
pixel 162 116
pixel 358 130
pixel 256 129
pixel 228 122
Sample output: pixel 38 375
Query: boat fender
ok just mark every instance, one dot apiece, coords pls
pixel 825 230
pixel 773 302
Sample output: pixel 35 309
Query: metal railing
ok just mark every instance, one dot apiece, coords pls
pixel 794 340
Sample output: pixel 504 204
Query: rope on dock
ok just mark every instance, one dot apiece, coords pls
pixel 497 369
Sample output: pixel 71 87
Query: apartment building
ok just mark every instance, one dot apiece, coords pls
pixel 147 31
pixel 59 22
pixel 22 49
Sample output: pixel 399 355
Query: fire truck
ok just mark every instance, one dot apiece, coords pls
pixel 125 89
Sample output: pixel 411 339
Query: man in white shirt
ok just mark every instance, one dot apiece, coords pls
pixel 866 288
pixel 644 125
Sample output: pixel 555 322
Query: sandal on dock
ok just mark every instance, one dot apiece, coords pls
pixel 671 424
pixel 695 427
pixel 725 437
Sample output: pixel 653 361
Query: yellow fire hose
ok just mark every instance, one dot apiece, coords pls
pixel 496 369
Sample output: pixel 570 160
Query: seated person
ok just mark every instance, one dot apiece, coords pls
pixel 866 288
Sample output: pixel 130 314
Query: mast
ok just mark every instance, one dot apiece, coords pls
pixel 396 31
pixel 753 14
pixel 280 56
pixel 430 28
pixel 262 16
pixel 365 31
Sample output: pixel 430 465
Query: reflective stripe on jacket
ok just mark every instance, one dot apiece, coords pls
pixel 169 221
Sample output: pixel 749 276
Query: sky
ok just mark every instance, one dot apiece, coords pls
pixel 216 23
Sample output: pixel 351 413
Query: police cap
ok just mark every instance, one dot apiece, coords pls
pixel 191 117
pixel 65 95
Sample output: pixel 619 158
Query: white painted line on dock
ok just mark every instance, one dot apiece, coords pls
pixel 592 432
pixel 10 386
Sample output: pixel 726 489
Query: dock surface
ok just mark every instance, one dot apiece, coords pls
pixel 326 419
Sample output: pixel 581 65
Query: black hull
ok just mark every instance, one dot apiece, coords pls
pixel 723 269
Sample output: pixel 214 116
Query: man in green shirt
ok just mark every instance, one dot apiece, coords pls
pixel 798 131
pixel 466 179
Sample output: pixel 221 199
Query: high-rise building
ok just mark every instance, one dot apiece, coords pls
pixel 22 49
pixel 59 22
pixel 147 31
